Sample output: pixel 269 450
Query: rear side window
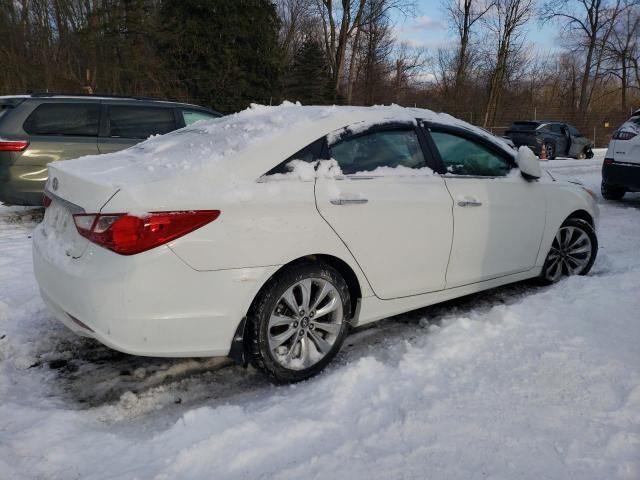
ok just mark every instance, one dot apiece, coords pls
pixel 77 119
pixel 192 116
pixel 139 122
pixel 4 109
pixel 574 131
pixel 465 157
pixel 367 152
pixel 556 128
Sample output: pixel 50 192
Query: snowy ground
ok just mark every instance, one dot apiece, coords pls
pixel 521 382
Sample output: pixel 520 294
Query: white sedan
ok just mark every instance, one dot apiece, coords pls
pixel 267 234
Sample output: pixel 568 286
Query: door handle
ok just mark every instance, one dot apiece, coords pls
pixel 348 201
pixel 469 203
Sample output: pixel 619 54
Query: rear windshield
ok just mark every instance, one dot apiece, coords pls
pixel 76 119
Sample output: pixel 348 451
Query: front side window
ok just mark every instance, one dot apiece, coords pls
pixel 192 116
pixel 365 153
pixel 75 119
pixel 139 122
pixel 465 157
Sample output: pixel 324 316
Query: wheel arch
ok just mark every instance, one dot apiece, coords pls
pixel 238 349
pixel 582 215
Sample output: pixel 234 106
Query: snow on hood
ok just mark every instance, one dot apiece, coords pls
pixel 265 134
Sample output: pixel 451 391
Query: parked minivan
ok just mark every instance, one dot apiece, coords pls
pixel 42 128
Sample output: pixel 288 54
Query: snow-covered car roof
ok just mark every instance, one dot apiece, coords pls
pixel 264 135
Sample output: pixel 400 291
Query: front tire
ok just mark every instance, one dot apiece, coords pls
pixel 573 251
pixel 610 192
pixel 298 322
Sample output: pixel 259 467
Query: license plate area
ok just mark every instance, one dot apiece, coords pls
pixel 61 229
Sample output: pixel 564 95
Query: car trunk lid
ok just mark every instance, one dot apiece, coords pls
pixel 71 194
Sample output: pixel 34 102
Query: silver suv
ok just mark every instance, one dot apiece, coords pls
pixel 42 128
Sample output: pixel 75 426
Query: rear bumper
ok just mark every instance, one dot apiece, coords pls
pixel 151 304
pixel 625 175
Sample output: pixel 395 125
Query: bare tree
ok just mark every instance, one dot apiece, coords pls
pixel 623 49
pixel 505 23
pixel 589 24
pixel 463 15
pixel 295 17
pixel 408 66
pixel 338 23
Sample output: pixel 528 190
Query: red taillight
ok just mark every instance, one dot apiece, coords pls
pixel 608 161
pixel 46 200
pixel 128 234
pixel 13 145
pixel 624 135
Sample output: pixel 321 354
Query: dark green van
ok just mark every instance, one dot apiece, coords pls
pixel 42 128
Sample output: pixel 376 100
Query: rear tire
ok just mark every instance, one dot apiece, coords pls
pixel 573 251
pixel 610 192
pixel 588 153
pixel 298 322
pixel 551 151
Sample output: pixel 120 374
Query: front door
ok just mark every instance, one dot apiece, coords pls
pixel 498 216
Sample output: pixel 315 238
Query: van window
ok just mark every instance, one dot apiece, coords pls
pixel 75 119
pixel 192 116
pixel 139 122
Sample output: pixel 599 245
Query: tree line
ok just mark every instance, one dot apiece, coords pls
pixel 227 54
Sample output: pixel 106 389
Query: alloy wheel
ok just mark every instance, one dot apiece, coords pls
pixel 570 253
pixel 305 323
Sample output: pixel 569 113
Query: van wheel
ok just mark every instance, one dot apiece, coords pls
pixel 551 151
pixel 572 252
pixel 298 322
pixel 612 193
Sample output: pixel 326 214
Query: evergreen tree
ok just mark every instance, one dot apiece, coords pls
pixel 308 80
pixel 225 54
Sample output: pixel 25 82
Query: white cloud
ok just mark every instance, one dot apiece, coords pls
pixel 426 22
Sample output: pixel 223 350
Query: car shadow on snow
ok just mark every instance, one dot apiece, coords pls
pixel 90 375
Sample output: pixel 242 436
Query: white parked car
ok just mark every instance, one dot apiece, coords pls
pixel 621 166
pixel 267 234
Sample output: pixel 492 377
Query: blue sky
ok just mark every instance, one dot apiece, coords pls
pixel 429 28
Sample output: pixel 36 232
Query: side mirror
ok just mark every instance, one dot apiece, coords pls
pixel 528 163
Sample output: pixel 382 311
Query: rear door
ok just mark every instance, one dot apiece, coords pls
pixel 61 131
pixel 561 139
pixel 578 142
pixel 125 124
pixel 499 216
pixel 389 209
